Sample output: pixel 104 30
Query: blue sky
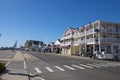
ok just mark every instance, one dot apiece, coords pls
pixel 47 20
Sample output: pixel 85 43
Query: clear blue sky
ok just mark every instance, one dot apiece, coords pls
pixel 48 19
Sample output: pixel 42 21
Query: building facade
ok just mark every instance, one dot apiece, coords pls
pixel 33 45
pixel 67 41
pixel 100 36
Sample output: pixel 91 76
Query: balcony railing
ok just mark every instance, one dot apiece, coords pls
pixel 109 30
pixel 76 42
pixel 89 31
pixel 82 41
pixel 82 34
pixel 109 40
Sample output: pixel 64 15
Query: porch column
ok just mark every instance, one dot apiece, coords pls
pixel 85 40
pixel 99 37
pixel 111 48
pixel 93 39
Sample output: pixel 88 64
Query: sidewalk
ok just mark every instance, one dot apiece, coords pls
pixel 15 74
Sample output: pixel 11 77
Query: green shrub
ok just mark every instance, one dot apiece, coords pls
pixel 2 67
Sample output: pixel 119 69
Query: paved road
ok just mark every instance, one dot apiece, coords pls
pixel 42 66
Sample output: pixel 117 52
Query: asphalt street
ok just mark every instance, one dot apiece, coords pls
pixel 50 66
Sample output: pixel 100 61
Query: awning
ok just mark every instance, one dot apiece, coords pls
pixel 64 46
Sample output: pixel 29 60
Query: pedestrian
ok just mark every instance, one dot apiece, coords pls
pixel 94 55
pixel 44 51
pixel 90 54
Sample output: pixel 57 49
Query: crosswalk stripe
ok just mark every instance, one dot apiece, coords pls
pixel 94 65
pixel 37 70
pixel 100 64
pixel 59 68
pixel 69 67
pixel 86 66
pixel 49 69
pixel 112 65
pixel 116 64
pixel 78 67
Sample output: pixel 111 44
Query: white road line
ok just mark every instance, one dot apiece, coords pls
pixel 86 66
pixel 38 78
pixel 69 67
pixel 116 64
pixel 94 65
pixel 49 69
pixel 78 67
pixel 112 65
pixel 25 65
pixel 101 64
pixel 7 63
pixel 59 68
pixel 37 70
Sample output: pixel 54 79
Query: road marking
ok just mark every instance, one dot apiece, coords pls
pixel 37 70
pixel 25 65
pixel 86 66
pixel 7 63
pixel 38 78
pixel 69 67
pixel 49 69
pixel 94 65
pixel 78 67
pixel 101 64
pixel 112 65
pixel 116 64
pixel 59 68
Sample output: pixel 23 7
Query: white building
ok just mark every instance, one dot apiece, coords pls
pixel 100 36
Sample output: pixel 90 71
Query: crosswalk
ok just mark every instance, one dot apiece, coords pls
pixel 75 67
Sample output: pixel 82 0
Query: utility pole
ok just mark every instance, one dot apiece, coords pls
pixel 0 34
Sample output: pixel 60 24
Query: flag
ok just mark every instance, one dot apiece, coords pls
pixel 77 29
pixel 90 25
pixel 72 31
pixel 83 27
pixel 15 45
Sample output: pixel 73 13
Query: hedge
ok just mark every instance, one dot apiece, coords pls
pixel 2 67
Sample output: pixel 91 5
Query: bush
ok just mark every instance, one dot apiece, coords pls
pixel 2 67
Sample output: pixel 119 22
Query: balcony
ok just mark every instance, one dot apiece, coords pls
pixel 90 31
pixel 82 41
pixel 109 40
pixel 76 42
pixel 107 30
pixel 66 42
pixel 82 34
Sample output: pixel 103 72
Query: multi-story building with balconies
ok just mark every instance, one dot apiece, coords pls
pixel 99 36
pixel 67 41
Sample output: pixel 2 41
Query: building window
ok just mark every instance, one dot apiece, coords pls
pixel 115 48
pixel 117 29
